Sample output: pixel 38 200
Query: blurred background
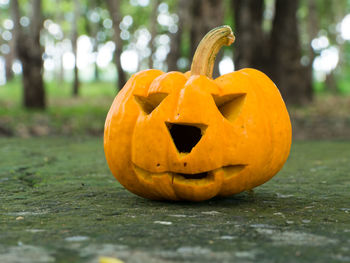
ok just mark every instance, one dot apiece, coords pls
pixel 62 62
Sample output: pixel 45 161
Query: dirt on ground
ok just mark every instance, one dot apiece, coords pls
pixel 327 117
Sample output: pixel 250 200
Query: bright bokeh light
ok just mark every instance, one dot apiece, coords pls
pixel 49 64
pixel 125 35
pixel 4 2
pixel 163 39
pixel 173 29
pixel 55 30
pixel 17 67
pixel 5 49
pixel 182 63
pixel 8 24
pixel 161 53
pixel 105 54
pixel 163 8
pixel 68 60
pixel 24 21
pixel 129 60
pixel 94 16
pixel 327 60
pixel 127 20
pixel 143 36
pixel 6 35
pixel 139 2
pixel 143 2
pixel 107 23
pixel 319 43
pixel 164 19
pixel 2 72
pixel 85 55
pixel 226 66
pixel 101 36
pixel 345 27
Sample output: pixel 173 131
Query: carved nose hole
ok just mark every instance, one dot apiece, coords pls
pixel 185 136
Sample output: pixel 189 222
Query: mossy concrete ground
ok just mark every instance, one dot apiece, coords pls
pixel 60 203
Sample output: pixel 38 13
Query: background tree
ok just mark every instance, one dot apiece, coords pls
pixel 176 39
pixel 7 43
pixel 153 30
pixel 93 26
pixel 76 15
pixel 250 45
pixel 114 11
pixel 292 78
pixel 278 53
pixel 10 56
pixel 205 15
pixel 29 52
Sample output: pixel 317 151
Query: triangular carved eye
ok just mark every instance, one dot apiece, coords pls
pixel 149 103
pixel 230 105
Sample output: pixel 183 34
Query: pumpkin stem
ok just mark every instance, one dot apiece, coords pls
pixel 204 57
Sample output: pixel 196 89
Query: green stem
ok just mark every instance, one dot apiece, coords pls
pixel 204 57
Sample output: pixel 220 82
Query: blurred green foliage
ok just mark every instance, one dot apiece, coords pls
pixel 65 115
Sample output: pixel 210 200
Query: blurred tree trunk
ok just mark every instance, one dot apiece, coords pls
pixel 250 44
pixel 331 83
pixel 95 50
pixel 92 28
pixel 279 54
pixel 95 42
pixel 9 58
pixel 29 52
pixel 114 11
pixel 76 82
pixel 153 30
pixel 92 31
pixel 205 15
pixel 176 39
pixel 312 32
pixel 8 67
pixel 59 74
pixel 312 28
pixel 292 78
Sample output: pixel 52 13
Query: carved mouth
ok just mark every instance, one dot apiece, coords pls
pixel 227 171
pixel 194 176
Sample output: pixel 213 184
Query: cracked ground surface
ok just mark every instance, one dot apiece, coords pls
pixel 60 203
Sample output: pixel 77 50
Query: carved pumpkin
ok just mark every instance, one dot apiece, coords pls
pixel 188 137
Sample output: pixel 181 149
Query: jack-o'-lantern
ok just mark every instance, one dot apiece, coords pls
pixel 187 136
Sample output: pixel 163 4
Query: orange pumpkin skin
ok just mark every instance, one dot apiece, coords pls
pixel 245 126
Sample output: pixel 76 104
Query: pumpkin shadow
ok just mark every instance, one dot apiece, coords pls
pixel 242 199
